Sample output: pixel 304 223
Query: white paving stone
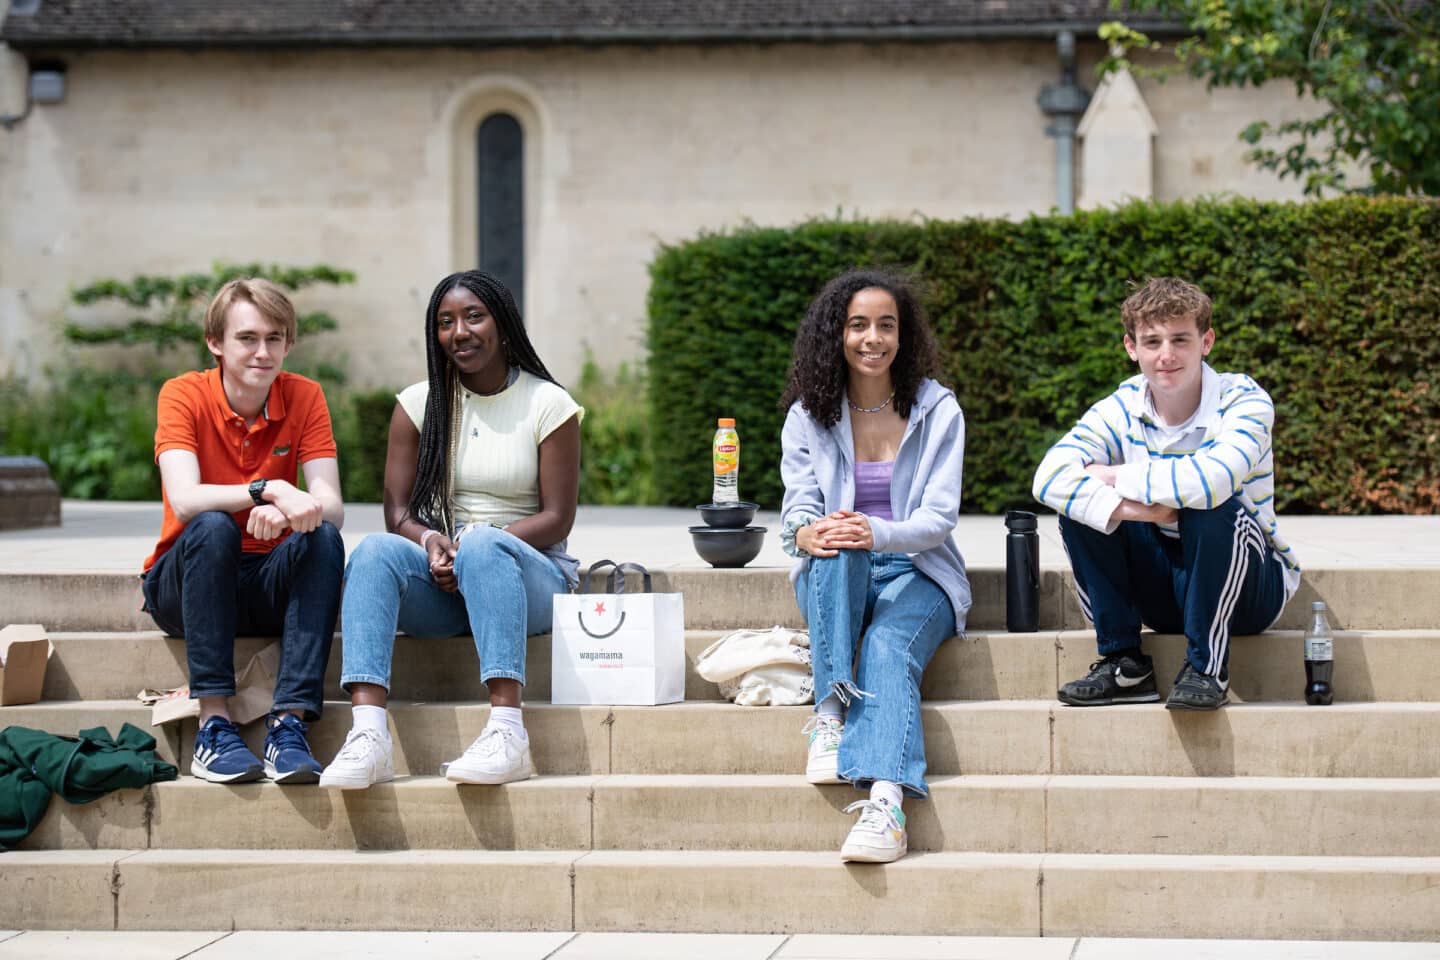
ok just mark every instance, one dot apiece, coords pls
pixel 69 944
pixel 1103 949
pixel 664 946
pixel 832 947
pixel 352 945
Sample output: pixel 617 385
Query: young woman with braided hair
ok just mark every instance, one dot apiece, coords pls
pixel 871 457
pixel 481 478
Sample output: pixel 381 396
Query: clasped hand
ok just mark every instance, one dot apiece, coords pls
pixel 841 530
pixel 441 550
pixel 291 508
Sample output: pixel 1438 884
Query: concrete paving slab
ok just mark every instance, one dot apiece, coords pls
pixel 798 891
pixel 835 947
pixel 69 944
pixel 1336 898
pixel 1092 948
pixel 351 945
pixel 419 890
pixel 665 946
pixel 59 889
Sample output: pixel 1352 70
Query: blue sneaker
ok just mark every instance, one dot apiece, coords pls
pixel 287 754
pixel 221 756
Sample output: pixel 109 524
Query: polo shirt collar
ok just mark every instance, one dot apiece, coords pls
pixel 274 408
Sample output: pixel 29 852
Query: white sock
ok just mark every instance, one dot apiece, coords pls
pixel 829 707
pixel 366 717
pixel 507 718
pixel 887 791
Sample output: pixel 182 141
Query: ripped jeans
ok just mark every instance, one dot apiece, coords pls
pixel 897 617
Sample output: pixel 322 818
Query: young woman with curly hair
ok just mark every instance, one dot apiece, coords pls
pixel 872 452
pixel 482 474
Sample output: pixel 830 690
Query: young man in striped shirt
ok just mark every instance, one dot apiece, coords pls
pixel 1165 491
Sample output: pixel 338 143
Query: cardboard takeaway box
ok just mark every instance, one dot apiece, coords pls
pixel 24 654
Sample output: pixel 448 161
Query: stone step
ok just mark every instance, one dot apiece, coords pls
pixel 961 737
pixel 1360 597
pixel 1386 665
pixel 989 814
pixel 1356 898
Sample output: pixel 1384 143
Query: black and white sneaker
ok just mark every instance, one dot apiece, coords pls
pixel 1194 690
pixel 1120 678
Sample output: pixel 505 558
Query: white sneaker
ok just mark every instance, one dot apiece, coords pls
pixel 878 836
pixel 496 756
pixel 367 758
pixel 822 760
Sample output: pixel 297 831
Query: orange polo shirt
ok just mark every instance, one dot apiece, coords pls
pixel 194 414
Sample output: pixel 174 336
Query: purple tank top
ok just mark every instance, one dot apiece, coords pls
pixel 872 488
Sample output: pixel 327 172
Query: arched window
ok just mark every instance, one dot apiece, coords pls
pixel 500 201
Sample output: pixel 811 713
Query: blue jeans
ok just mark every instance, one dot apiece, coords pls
pixel 205 590
pixel 904 617
pixel 505 590
pixel 1220 577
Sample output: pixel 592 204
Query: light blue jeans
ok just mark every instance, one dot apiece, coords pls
pixel 504 596
pixel 904 617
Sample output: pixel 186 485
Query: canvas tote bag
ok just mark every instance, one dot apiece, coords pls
pixel 617 647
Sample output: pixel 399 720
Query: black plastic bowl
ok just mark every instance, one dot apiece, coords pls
pixel 720 547
pixel 730 516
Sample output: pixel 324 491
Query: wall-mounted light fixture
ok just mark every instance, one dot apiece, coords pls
pixel 46 86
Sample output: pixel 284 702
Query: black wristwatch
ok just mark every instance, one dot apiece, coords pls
pixel 257 491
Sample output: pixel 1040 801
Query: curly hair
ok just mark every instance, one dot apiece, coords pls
pixel 1163 299
pixel 430 498
pixel 818 371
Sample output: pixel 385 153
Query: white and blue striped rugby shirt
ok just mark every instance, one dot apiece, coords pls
pixel 1225 452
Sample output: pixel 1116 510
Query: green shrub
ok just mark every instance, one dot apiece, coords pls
pixel 96 431
pixel 362 432
pixel 1334 307
pixel 615 460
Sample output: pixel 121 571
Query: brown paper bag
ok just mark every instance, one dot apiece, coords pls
pixel 254 692
pixel 24 654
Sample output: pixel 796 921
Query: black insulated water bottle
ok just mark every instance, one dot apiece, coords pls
pixel 1022 572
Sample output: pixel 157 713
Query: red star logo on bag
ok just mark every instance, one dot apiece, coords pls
pixel 599 608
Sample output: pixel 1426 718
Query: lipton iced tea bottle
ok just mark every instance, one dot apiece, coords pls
pixel 726 455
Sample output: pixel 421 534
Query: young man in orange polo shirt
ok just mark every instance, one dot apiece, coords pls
pixel 242 549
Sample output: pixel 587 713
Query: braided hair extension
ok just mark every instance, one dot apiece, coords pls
pixel 430 497
pixel 818 371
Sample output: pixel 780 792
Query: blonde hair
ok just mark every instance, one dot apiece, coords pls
pixel 269 299
pixel 1163 299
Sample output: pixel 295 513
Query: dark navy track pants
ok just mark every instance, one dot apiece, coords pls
pixel 1220 577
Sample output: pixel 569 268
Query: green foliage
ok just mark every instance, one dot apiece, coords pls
pixel 1334 307
pixel 96 431
pixel 362 432
pixel 615 459
pixel 175 309
pixel 1373 64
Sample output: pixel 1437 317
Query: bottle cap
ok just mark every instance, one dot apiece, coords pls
pixel 725 422
pixel 1020 520
pixel 1317 605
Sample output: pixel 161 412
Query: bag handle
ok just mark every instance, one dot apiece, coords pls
pixel 598 564
pixel 615 579
pixel 615 583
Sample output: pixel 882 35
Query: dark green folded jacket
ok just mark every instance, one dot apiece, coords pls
pixel 34 764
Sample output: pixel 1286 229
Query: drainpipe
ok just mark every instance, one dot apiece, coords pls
pixel 1064 103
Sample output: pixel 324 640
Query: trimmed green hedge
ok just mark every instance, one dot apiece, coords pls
pixel 1334 307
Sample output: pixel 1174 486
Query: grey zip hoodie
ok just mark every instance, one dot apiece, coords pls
pixel 818 467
